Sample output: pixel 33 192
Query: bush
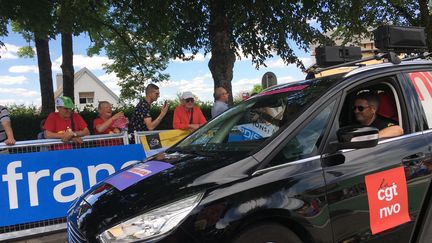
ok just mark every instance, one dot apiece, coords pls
pixel 26 120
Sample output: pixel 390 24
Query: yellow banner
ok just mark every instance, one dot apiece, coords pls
pixel 162 139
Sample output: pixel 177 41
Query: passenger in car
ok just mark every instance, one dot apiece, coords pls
pixel 365 107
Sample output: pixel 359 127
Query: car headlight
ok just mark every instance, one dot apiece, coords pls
pixel 153 223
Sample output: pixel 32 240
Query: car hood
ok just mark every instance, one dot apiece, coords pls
pixel 161 179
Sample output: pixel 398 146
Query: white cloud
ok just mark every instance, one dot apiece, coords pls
pixel 10 80
pixel 199 57
pixel 9 51
pixel 244 85
pixel 27 102
pixel 279 63
pixel 80 61
pixel 24 69
pixel 201 86
pixel 111 81
pixel 286 79
pixel 19 92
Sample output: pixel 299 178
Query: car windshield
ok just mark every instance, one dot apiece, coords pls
pixel 248 125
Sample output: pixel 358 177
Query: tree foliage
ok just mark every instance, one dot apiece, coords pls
pixel 354 19
pixel 139 50
pixel 34 20
pixel 142 36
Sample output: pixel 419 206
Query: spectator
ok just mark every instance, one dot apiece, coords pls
pixel 106 122
pixel 141 118
pixel 65 124
pixel 6 132
pixel 221 101
pixel 365 106
pixel 187 116
pixel 41 135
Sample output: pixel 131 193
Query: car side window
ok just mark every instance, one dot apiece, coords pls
pixel 305 144
pixel 422 82
pixel 375 104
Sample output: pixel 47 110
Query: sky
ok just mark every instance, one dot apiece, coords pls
pixel 19 78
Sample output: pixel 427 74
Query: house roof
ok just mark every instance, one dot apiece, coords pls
pixel 78 75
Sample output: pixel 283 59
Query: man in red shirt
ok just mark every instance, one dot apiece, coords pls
pixel 187 116
pixel 107 123
pixel 65 124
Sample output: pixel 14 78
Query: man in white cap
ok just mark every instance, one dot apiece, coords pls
pixel 65 124
pixel 187 116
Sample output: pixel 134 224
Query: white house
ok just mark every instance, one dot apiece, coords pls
pixel 89 90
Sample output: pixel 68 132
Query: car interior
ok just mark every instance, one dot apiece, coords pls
pixel 389 103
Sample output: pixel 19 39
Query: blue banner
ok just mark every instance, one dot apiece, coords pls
pixel 40 186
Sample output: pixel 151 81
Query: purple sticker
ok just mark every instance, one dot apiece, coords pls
pixel 137 173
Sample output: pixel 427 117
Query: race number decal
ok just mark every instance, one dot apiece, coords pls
pixel 388 199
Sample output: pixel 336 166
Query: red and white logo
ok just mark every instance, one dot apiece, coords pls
pixel 388 199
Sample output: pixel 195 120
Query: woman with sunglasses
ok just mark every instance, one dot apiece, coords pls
pixel 187 116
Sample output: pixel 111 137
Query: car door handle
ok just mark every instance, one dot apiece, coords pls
pixel 414 157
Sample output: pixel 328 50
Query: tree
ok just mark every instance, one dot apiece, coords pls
pixel 139 50
pixel 43 20
pixel 74 17
pixel 353 19
pixel 227 29
pixel 34 20
pixel 257 88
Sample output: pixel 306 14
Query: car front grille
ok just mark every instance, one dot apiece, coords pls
pixel 73 234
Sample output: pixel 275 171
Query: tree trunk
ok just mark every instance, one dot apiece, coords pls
pixel 221 63
pixel 67 65
pixel 426 22
pixel 45 75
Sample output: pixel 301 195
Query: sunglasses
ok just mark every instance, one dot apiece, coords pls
pixel 360 108
pixel 189 100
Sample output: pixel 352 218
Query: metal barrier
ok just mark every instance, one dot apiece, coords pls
pixel 56 144
pixel 51 225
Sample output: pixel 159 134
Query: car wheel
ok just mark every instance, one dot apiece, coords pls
pixel 267 233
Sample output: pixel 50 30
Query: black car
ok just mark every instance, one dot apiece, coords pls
pixel 287 165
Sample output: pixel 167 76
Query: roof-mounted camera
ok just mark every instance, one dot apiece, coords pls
pixel 332 55
pixel 390 40
pixel 400 39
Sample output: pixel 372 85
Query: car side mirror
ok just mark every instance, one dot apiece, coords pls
pixel 357 137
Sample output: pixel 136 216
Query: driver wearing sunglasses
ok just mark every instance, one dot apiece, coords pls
pixel 188 116
pixel 365 110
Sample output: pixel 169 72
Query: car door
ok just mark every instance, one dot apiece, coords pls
pixel 346 172
pixel 421 84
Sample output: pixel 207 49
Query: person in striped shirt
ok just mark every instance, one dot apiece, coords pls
pixel 6 133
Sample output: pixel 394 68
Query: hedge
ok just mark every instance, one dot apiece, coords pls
pixel 26 120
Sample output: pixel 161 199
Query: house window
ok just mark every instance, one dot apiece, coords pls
pixel 86 97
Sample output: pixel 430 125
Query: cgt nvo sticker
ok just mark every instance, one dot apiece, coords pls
pixel 388 199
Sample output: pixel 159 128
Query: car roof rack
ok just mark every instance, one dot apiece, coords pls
pixel 390 40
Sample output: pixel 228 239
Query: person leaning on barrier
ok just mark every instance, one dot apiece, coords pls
pixel 365 107
pixel 105 123
pixel 141 118
pixel 65 124
pixel 221 101
pixel 41 134
pixel 6 132
pixel 187 116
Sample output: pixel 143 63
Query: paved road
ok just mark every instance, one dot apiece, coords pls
pixel 52 238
